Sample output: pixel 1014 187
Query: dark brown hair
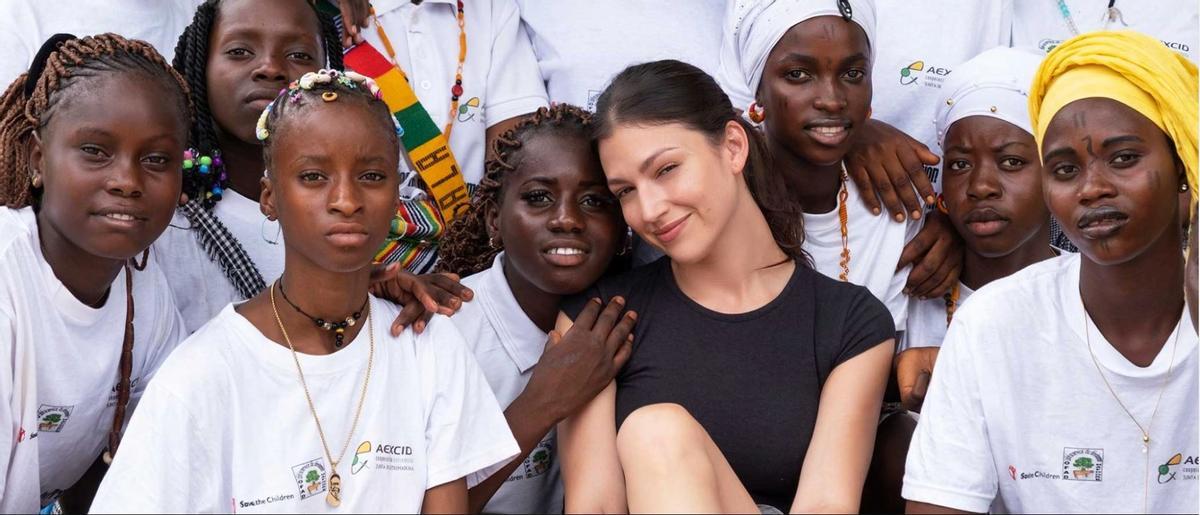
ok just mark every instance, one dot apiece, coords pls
pixel 670 91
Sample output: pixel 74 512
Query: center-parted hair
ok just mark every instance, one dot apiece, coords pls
pixel 65 74
pixel 670 91
pixel 191 59
pixel 466 249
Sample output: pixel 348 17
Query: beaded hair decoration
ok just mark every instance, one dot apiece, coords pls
pixel 307 82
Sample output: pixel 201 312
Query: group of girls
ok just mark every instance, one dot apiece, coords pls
pixel 744 371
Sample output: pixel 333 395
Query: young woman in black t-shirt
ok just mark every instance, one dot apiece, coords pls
pixel 754 379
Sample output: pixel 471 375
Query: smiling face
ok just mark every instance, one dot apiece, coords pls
pixel 333 182
pixel 678 189
pixel 1112 179
pixel 992 185
pixel 816 88
pixel 110 171
pixel 559 224
pixel 255 49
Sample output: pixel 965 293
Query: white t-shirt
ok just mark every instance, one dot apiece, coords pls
pixel 500 75
pixel 927 321
pixel 29 23
pixel 507 345
pixel 201 290
pixel 917 44
pixel 582 44
pixel 77 352
pixel 1040 23
pixel 225 427
pixel 1018 418
pixel 875 244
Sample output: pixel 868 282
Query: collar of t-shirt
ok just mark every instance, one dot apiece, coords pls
pixel 278 357
pixel 1106 355
pixel 513 326
pixel 62 298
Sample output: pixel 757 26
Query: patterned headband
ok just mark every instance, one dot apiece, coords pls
pixel 350 80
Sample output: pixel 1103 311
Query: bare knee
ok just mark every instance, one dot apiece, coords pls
pixel 659 435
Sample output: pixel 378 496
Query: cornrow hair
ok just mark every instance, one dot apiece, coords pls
pixel 191 59
pixel 71 63
pixel 295 98
pixel 465 249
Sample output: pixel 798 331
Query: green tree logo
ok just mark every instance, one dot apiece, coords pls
pixel 1084 462
pixel 311 477
pixel 50 421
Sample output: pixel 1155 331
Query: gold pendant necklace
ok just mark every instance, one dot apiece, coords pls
pixel 334 483
pixel 1145 432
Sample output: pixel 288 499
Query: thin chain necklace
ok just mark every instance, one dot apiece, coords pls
pixel 1149 426
pixel 456 90
pixel 334 483
pixel 844 219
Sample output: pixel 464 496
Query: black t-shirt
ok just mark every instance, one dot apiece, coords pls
pixel 752 380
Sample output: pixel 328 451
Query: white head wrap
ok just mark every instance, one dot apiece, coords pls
pixel 995 83
pixel 754 27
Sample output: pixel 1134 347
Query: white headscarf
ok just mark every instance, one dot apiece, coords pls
pixel 754 27
pixel 995 83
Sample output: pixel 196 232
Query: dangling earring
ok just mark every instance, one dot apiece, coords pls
pixel 756 113
pixel 941 205
pixel 145 259
pixel 35 181
pixel 627 246
pixel 262 231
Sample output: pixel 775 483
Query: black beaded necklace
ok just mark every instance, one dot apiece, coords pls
pixel 338 328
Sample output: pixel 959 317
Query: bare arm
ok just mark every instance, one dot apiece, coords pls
pixel 592 478
pixel 840 451
pixel 446 498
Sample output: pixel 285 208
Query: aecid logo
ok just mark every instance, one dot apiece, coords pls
pixel 1179 467
pixel 914 71
pixel 908 74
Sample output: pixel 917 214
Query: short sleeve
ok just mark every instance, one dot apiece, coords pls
pixel 165 463
pixel 465 431
pixel 867 323
pixel 950 461
pixel 515 84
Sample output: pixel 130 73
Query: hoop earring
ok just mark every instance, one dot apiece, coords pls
pixel 145 260
pixel 756 112
pixel 262 232
pixel 493 244
pixel 941 205
pixel 627 246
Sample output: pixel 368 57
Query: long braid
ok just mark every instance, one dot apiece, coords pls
pixel 191 59
pixel 73 62
pixel 465 249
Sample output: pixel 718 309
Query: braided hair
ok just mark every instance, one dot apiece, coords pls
pixel 191 59
pixel 466 249
pixel 72 63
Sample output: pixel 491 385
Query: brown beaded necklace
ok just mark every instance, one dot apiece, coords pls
pixel 126 365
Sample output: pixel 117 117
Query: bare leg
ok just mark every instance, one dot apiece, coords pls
pixel 881 492
pixel 672 466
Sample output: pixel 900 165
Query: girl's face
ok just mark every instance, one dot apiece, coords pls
pixel 333 184
pixel 993 185
pixel 255 49
pixel 1112 180
pixel 677 188
pixel 110 170
pixel 558 222
pixel 816 88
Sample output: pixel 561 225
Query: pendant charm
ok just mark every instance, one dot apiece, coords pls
pixel 334 497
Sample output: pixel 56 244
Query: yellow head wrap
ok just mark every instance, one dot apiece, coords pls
pixel 1131 68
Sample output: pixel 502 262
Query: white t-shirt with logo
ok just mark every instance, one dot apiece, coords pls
pixel 29 23
pixel 225 427
pixel 927 321
pixel 507 345
pixel 76 352
pixel 918 43
pixel 875 244
pixel 1040 23
pixel 1018 418
pixel 500 74
pixel 582 44
pixel 201 289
